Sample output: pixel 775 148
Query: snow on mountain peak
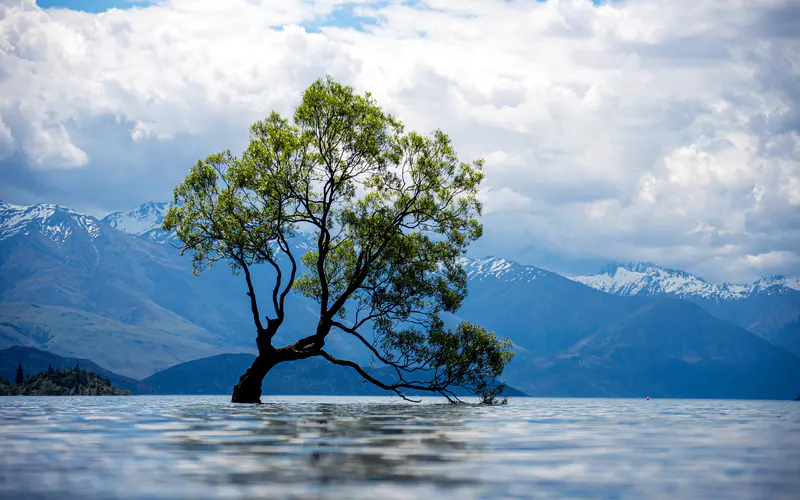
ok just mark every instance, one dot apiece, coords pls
pixel 499 268
pixel 774 283
pixel 144 220
pixel 53 221
pixel 647 268
pixel 643 278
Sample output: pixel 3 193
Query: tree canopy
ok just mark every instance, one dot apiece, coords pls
pixel 390 213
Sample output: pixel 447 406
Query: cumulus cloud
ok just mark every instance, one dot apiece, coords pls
pixel 663 131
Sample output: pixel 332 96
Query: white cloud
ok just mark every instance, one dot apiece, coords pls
pixel 765 263
pixel 503 200
pixel 664 131
pixel 7 145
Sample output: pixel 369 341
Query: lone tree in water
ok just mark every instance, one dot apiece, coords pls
pixel 390 214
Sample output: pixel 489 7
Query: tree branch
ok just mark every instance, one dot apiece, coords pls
pixel 389 387
pixel 252 294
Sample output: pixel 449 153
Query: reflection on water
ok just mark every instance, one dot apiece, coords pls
pixel 300 447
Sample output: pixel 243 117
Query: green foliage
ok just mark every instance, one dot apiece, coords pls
pixel 74 382
pixel 391 213
pixel 20 376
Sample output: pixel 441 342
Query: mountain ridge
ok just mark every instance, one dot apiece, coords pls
pixel 129 301
pixel 146 219
pixel 645 278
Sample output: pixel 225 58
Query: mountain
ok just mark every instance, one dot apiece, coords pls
pixel 218 375
pixel 35 361
pixel 80 287
pixel 144 220
pixel 75 286
pixel 55 223
pixel 644 278
pixel 574 340
pixel 667 348
pixel 763 307
pixel 541 311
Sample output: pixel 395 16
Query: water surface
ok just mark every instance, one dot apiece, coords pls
pixel 326 447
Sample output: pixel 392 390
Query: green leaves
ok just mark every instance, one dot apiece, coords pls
pixel 473 357
pixel 390 212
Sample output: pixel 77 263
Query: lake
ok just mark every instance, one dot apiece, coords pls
pixel 350 447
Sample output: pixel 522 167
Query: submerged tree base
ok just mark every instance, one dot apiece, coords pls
pixel 248 390
pixel 240 396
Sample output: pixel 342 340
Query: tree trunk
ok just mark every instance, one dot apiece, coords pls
pixel 248 390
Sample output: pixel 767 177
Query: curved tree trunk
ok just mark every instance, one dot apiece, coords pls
pixel 248 390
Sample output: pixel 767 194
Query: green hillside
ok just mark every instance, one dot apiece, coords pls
pixel 69 382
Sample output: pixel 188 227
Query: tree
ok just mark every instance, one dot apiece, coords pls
pixel 390 214
pixel 20 376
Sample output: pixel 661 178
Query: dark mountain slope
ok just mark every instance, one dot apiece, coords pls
pixel 788 337
pixel 540 311
pixel 763 314
pixel 668 348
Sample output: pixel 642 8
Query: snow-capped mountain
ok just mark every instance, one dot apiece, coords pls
pixel 57 223
pixel 644 278
pixel 75 286
pixel 144 220
pixel 500 269
pixel 768 283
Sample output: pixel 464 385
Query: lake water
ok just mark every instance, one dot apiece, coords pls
pixel 325 447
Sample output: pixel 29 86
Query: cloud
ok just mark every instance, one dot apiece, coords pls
pixel 626 131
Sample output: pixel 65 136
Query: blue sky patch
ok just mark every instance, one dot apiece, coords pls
pixel 90 5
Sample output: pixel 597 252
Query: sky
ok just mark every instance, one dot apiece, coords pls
pixel 617 131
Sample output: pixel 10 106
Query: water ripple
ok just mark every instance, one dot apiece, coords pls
pixel 205 447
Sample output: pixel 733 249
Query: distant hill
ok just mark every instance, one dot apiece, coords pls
pixel 36 360
pixel 67 382
pixel 218 375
